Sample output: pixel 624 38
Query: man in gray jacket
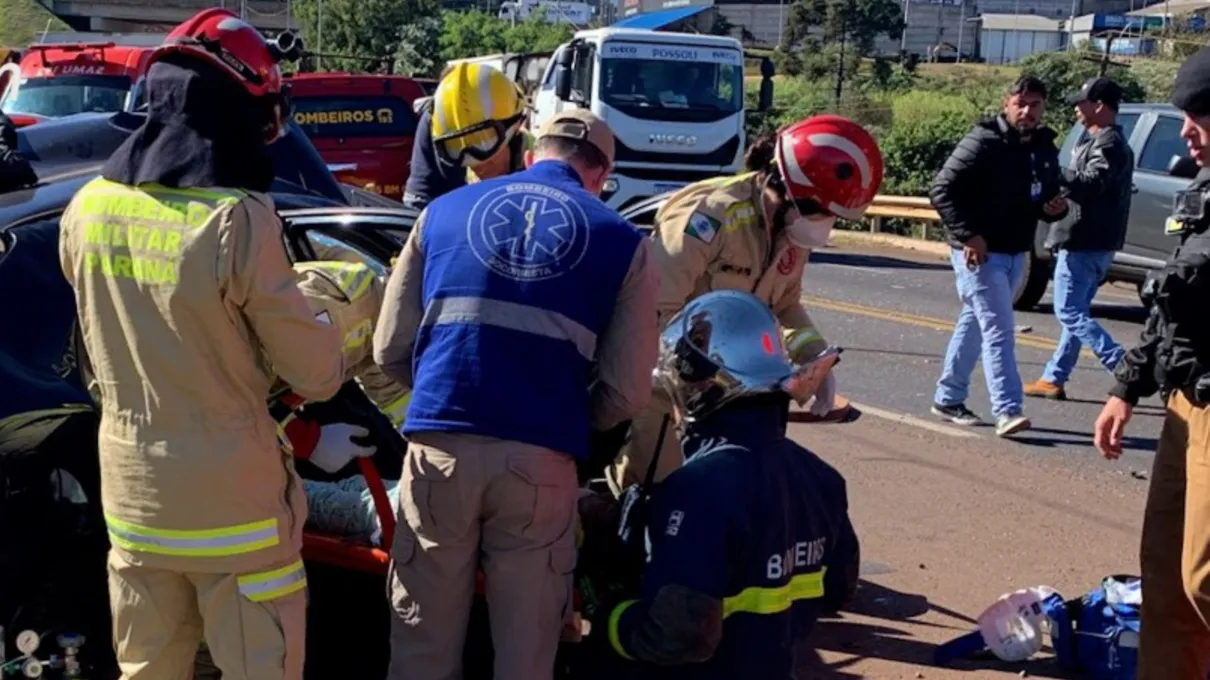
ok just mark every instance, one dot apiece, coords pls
pixel 1098 183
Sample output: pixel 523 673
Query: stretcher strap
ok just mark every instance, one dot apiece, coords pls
pixel 382 504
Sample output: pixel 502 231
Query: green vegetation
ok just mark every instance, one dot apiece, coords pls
pixel 22 20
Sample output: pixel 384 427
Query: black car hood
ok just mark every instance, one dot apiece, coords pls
pixel 60 148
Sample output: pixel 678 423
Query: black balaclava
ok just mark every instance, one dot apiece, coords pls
pixel 202 130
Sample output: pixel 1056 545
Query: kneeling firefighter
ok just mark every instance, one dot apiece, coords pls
pixel 475 114
pixel 750 540
pixel 754 232
pixel 189 310
pixel 349 296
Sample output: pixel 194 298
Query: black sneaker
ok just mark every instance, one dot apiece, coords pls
pixel 958 414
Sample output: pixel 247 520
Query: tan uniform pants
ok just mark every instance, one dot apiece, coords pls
pixel 635 457
pixel 160 617
pixel 1175 643
pixel 464 499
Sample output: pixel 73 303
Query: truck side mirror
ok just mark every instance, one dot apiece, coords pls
pixel 563 73
pixel 1183 167
pixel 765 102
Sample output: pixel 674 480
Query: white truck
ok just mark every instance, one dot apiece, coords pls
pixel 675 102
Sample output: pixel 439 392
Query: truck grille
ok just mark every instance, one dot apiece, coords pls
pixel 722 156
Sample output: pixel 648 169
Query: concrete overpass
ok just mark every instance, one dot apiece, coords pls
pixel 157 16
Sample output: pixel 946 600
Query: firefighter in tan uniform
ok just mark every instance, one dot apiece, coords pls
pixel 189 311
pixel 754 232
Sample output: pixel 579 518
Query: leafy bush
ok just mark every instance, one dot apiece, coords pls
pixel 925 127
pixel 1155 76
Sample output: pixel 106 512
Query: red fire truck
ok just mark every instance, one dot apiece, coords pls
pixel 60 79
pixel 362 125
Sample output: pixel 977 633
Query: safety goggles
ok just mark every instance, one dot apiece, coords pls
pixel 476 151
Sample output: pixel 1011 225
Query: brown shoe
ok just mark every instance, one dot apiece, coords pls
pixel 1046 390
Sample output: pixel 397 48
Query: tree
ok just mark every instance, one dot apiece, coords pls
pixel 1065 72
pixel 419 50
pixel 857 22
pixel 359 28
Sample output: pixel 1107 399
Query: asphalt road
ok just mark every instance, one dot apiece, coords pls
pixel 950 518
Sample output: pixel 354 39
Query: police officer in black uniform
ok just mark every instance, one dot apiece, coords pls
pixel 1173 358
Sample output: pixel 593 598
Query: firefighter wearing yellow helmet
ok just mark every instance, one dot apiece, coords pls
pixel 473 127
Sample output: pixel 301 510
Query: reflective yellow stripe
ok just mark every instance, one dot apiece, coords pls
pixel 354 278
pixel 282 438
pixel 270 585
pixel 799 338
pixel 397 410
pixel 222 542
pixel 775 600
pixel 358 335
pixel 615 617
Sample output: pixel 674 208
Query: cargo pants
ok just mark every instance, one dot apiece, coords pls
pixel 254 625
pixel 1175 555
pixel 466 500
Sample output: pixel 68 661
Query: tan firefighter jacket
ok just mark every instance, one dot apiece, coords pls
pixel 349 295
pixel 189 309
pixel 712 235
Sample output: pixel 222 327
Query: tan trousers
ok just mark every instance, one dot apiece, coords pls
pixel 1175 641
pixel 635 456
pixel 464 499
pixel 160 617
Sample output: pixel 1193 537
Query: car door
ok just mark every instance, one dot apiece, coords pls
pixel 374 237
pixel 1154 188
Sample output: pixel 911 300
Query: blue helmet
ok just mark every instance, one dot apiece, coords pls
pixel 725 345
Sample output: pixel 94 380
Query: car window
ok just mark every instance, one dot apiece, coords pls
pixel 1163 143
pixel 1128 121
pixel 329 248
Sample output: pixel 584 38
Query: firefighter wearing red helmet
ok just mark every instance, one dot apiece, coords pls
pixel 190 313
pixel 754 232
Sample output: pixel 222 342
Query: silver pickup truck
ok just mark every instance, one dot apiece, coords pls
pixel 1154 134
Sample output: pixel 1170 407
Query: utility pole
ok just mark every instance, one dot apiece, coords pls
pixel 844 32
pixel 903 37
pixel 319 33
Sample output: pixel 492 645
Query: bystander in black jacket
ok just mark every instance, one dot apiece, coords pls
pixel 1098 181
pixel 984 188
pixel 15 171
pixel 1173 352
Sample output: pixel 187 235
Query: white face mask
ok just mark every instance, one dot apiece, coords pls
pixel 810 232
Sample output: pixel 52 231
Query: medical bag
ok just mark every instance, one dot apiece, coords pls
pixel 1096 637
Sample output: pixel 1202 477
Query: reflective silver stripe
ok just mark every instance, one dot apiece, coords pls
pixel 223 542
pixel 513 316
pixel 270 585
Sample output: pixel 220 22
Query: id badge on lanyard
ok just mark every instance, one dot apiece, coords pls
pixel 1035 187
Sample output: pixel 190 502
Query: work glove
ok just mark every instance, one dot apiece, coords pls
pixel 338 446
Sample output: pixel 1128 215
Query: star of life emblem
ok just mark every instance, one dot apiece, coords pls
pixel 528 232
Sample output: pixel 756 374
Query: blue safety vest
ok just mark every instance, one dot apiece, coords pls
pixel 37 367
pixel 521 274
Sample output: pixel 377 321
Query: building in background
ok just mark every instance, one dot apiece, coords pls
pixel 1009 38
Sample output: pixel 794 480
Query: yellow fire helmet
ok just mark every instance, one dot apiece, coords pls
pixel 476 110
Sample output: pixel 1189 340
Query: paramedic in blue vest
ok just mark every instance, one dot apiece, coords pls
pixel 750 540
pixel 506 293
pixel 474 105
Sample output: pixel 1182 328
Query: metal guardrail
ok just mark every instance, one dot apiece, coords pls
pixel 911 208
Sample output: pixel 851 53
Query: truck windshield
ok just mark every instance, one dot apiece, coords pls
pixel 66 95
pixel 331 117
pixel 675 83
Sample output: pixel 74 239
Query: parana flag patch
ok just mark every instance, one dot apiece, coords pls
pixel 702 227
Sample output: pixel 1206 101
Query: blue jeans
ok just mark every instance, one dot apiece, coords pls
pixel 985 327
pixel 1077 276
